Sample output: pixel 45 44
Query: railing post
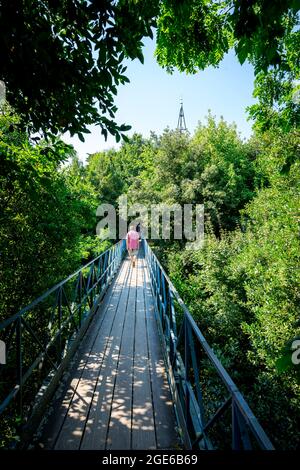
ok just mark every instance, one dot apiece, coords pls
pixel 172 313
pixel 59 321
pixel 163 305
pixel 92 284
pixel 110 262
pixel 105 264
pixel 194 365
pixel 236 438
pixel 187 371
pixel 240 436
pixel 19 363
pixel 80 299
pixel 113 260
pixel 101 272
pixel 173 330
pixel 158 280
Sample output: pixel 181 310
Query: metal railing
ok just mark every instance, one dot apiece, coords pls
pixel 211 411
pixel 40 336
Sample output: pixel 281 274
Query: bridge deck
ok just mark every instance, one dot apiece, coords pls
pixel 116 394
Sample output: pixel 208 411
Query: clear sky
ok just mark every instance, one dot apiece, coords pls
pixel 151 101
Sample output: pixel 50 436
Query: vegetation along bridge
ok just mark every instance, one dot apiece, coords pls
pixel 111 358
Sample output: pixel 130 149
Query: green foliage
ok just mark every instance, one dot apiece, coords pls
pixel 213 168
pixel 194 34
pixel 104 176
pixel 243 290
pixel 112 173
pixel 79 47
pixel 46 210
pixel 277 91
pixel 271 259
pixel 47 230
pixel 225 179
pixel 63 60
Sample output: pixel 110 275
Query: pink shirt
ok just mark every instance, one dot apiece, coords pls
pixel 133 240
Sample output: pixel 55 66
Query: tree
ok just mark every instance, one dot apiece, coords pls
pixel 243 292
pixel 214 168
pixel 62 60
pixel 45 214
pixel 194 34
pixel 278 91
pixel 104 176
pixel 112 173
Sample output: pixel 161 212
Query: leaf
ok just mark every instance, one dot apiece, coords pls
pixel 104 132
pixel 125 127
pixel 140 55
pixel 124 79
pixel 242 50
pixel 125 137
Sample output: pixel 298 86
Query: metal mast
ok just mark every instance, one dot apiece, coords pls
pixel 181 125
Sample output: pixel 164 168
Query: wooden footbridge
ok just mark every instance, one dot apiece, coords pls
pixel 110 358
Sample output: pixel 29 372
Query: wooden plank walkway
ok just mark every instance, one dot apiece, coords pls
pixel 116 394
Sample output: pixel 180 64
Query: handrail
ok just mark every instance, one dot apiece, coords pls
pixel 40 335
pixel 186 354
pixel 49 291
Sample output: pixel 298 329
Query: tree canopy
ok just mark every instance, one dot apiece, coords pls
pixel 63 60
pixel 194 34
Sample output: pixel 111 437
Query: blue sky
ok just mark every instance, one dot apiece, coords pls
pixel 151 101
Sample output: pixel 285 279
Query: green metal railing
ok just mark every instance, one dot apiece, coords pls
pixel 211 411
pixel 39 337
